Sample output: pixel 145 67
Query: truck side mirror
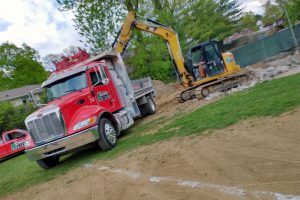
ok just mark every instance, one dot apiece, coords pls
pixel 104 78
pixel 36 95
pixel 98 80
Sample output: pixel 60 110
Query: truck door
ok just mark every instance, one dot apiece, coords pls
pixel 14 142
pixel 3 149
pixel 102 87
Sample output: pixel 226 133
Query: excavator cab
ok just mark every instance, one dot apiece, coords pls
pixel 205 60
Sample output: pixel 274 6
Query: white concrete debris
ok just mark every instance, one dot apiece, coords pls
pixel 157 179
pixel 287 61
pixel 213 96
pixel 269 73
pixel 296 60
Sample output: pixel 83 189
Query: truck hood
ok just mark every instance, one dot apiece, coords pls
pixel 58 104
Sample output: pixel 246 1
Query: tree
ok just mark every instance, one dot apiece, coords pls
pixel 209 19
pixel 12 117
pixel 230 9
pixel 153 59
pixel 19 66
pixel 293 7
pixel 249 21
pixel 98 21
pixel 194 21
pixel 272 13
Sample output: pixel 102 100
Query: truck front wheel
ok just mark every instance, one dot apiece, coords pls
pixel 107 134
pixel 49 162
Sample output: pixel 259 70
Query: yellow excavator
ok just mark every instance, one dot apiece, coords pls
pixel 206 71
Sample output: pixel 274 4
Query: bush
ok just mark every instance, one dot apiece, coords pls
pixel 12 117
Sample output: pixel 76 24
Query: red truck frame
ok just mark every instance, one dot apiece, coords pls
pixel 12 143
pixel 92 101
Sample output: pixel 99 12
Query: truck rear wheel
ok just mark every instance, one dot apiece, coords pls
pixel 108 135
pixel 143 111
pixel 47 163
pixel 150 107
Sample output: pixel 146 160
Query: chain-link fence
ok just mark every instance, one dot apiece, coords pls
pixel 278 42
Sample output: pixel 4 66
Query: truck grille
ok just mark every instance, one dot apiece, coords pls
pixel 45 128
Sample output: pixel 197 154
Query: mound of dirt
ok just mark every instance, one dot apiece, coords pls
pixel 164 90
pixel 167 103
pixel 165 96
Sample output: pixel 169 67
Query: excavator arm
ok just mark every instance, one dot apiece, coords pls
pixel 166 33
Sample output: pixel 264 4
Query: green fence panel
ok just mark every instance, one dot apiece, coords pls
pixel 270 46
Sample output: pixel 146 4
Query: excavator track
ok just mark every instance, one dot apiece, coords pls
pixel 222 85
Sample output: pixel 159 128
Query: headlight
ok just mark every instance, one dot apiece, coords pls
pixel 85 123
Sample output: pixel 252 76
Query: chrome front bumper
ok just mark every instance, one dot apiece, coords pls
pixel 64 145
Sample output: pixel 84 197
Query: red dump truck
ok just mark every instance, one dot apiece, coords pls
pixel 90 101
pixel 12 143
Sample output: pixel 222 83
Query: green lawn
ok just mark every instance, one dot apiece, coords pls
pixel 266 99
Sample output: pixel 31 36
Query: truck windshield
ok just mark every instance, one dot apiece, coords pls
pixel 67 85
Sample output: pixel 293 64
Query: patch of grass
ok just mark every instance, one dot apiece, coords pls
pixel 270 98
pixel 266 99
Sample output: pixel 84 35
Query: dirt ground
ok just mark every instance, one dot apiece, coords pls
pixel 254 159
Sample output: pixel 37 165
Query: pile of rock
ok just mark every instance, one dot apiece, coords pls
pixel 275 68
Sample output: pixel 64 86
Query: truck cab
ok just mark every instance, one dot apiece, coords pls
pixel 92 101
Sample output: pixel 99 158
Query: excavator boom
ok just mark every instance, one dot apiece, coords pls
pixel 166 33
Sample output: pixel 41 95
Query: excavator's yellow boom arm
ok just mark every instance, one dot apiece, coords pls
pixel 166 33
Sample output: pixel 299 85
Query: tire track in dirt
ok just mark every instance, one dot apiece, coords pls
pixel 269 155
pixel 228 190
pixel 97 191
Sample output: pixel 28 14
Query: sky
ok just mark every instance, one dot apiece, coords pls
pixel 37 23
pixel 42 26
pixel 253 5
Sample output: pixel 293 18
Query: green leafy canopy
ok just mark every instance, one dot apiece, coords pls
pixel 195 21
pixel 19 66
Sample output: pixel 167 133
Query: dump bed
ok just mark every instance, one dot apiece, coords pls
pixel 141 87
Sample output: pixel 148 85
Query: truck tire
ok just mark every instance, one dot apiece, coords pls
pixel 49 162
pixel 143 110
pixel 150 107
pixel 108 135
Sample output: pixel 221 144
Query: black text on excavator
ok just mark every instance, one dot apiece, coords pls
pixel 206 71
